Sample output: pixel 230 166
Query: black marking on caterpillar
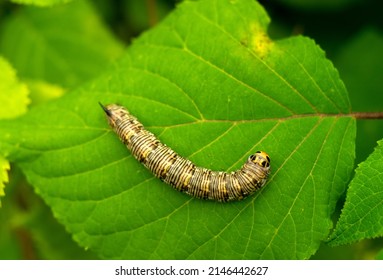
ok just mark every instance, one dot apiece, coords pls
pixel 181 173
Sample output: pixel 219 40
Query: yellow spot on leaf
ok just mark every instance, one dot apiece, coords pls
pixel 259 41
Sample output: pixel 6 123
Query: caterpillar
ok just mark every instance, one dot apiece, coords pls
pixel 181 173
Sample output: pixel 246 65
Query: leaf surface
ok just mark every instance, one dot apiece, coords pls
pixel 4 167
pixel 212 85
pixel 363 210
pixel 13 94
pixel 64 45
pixel 14 100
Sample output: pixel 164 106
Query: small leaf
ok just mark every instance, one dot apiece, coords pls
pixel 4 168
pixel 214 87
pixel 13 94
pixel 363 211
pixel 64 45
pixel 14 101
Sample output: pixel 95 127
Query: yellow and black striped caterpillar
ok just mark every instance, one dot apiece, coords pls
pixel 181 173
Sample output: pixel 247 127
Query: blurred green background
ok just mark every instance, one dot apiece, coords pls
pixel 349 31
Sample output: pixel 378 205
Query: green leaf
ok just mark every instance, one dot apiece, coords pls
pixel 42 3
pixel 14 101
pixel 13 94
pixel 4 167
pixel 215 91
pixel 64 45
pixel 362 213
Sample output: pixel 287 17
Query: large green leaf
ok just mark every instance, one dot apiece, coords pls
pixel 362 214
pixel 211 84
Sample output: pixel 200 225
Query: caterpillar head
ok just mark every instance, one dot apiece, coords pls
pixel 260 158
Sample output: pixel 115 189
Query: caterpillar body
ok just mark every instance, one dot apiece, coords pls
pixel 181 173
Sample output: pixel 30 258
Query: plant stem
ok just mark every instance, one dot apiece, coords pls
pixel 152 12
pixel 367 115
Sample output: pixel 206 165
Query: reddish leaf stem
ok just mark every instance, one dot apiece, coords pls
pixel 367 115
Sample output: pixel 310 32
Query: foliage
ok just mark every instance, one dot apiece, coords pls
pixel 215 91
pixel 361 216
pixel 14 99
